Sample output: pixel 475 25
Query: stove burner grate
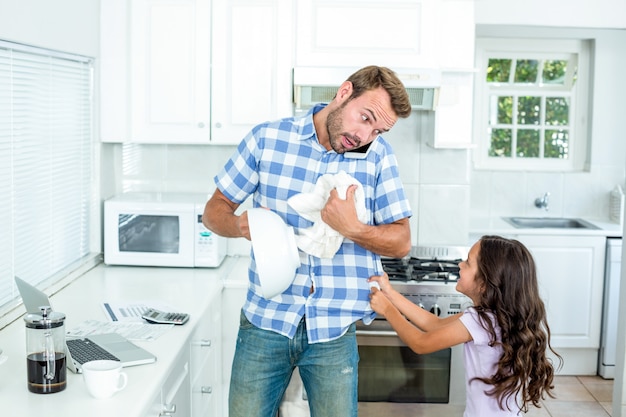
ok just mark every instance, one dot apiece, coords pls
pixel 421 270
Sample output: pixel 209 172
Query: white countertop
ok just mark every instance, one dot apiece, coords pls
pixel 187 289
pixel 497 226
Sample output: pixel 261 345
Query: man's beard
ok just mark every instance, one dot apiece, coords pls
pixel 334 128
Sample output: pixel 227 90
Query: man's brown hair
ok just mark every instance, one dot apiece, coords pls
pixel 372 77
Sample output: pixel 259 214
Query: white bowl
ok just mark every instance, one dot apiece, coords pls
pixel 275 251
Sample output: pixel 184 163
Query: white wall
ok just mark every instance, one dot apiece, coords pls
pixel 583 192
pixel 65 25
pixel 580 194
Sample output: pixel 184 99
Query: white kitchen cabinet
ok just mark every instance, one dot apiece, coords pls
pixel 193 71
pixel 396 33
pixel 233 297
pixel 155 71
pixel 571 278
pixel 453 116
pixel 206 363
pixel 169 70
pixel 251 66
pixel 173 399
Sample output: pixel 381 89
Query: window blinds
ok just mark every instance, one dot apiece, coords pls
pixel 46 163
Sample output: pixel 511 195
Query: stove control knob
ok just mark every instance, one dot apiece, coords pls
pixel 436 310
pixel 421 305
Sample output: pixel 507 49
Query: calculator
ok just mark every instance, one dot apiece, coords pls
pixel 155 316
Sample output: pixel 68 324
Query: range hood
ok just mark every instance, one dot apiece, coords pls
pixel 313 85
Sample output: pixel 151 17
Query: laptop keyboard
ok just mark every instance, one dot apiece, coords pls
pixel 84 350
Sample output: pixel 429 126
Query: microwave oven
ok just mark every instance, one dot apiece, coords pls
pixel 160 229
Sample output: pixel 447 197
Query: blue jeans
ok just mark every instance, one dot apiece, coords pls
pixel 264 361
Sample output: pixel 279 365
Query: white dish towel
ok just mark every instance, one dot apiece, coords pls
pixel 320 239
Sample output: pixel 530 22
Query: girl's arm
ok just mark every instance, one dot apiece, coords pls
pixel 425 332
pixel 451 333
pixel 421 318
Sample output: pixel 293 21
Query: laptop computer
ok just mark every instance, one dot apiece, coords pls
pixel 93 347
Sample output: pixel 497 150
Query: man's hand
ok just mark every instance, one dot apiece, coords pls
pixel 340 214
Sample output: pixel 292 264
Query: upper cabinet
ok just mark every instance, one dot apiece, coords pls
pixel 170 47
pixel 252 60
pixel 193 71
pixel 395 34
pixel 207 71
pixel 406 36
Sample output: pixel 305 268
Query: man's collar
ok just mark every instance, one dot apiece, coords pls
pixel 307 127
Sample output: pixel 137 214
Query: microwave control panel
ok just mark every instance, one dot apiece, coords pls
pixel 210 249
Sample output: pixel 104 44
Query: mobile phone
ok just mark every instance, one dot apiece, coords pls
pixel 358 153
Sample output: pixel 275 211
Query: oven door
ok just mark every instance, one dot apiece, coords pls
pixel 389 371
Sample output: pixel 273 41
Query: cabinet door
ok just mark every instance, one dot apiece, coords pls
pixel 176 395
pixel 453 118
pixel 206 363
pixel 571 278
pixel 170 71
pixel 396 33
pixel 113 65
pixel 251 67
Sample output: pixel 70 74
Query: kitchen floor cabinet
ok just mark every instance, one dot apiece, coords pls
pixel 233 297
pixel 206 363
pixel 194 386
pixel 571 279
pixel 173 398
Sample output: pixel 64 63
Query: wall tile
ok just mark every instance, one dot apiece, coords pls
pixel 508 194
pixel 405 140
pixel 443 215
pixel 537 185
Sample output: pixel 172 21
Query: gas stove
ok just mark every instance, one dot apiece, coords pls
pixel 428 276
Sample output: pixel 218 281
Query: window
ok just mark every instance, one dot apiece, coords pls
pixel 46 166
pixel 529 105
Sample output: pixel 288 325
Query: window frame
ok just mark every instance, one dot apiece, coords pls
pixel 518 48
pixel 49 155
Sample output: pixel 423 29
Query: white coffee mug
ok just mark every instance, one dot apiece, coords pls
pixel 104 378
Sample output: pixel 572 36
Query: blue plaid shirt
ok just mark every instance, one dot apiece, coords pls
pixel 277 160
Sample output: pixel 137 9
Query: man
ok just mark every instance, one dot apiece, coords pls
pixel 311 325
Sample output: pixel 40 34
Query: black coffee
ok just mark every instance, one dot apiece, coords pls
pixel 36 373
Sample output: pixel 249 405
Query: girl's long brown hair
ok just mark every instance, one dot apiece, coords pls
pixel 507 273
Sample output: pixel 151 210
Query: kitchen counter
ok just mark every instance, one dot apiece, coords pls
pixel 497 226
pixel 186 289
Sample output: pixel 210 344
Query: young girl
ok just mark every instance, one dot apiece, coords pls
pixel 505 333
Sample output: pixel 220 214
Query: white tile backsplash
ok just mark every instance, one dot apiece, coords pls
pixel 436 181
pixel 537 185
pixel 405 140
pixel 508 194
pixel 443 215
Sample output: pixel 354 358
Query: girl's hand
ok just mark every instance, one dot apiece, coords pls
pixel 379 301
pixel 382 281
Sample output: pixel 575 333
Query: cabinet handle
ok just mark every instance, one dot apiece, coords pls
pixel 205 343
pixel 168 410
pixel 200 125
pixel 206 390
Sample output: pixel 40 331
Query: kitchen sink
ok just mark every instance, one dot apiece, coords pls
pixel 548 222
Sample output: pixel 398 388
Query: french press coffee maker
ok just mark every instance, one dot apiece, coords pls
pixel 45 351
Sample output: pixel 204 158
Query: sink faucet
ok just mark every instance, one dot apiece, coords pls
pixel 543 202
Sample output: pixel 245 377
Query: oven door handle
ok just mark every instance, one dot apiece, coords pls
pixel 386 333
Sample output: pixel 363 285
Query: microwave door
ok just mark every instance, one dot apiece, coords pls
pixel 153 238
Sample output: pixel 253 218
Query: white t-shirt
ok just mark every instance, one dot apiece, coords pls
pixel 481 360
